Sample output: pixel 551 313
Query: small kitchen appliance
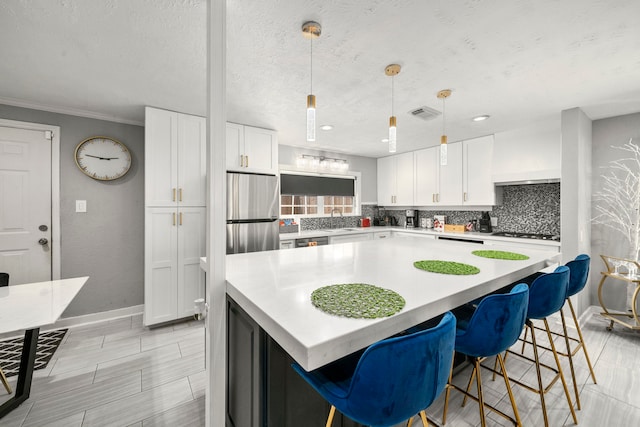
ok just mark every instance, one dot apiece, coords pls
pixel 412 218
pixel 485 223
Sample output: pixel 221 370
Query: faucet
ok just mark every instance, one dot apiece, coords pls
pixel 335 210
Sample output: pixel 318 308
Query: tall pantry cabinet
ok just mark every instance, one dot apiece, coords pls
pixel 175 191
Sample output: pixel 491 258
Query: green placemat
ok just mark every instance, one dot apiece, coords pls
pixel 446 267
pixel 357 300
pixel 501 255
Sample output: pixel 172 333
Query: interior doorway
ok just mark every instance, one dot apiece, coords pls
pixel 29 201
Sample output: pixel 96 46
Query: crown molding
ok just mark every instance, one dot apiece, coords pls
pixel 69 111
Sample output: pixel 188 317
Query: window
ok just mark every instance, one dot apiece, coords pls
pixel 313 195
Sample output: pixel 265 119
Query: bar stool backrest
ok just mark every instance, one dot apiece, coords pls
pixel 548 292
pixel 579 271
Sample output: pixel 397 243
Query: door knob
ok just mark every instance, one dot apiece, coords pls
pixel 43 241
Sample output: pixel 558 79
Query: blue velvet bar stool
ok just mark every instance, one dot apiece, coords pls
pixel 493 327
pixel 579 273
pixel 392 381
pixel 547 295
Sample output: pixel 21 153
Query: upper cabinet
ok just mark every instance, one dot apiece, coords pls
pixel 451 177
pixel 396 180
pixel 477 184
pixel 175 159
pixel 438 185
pixel 251 149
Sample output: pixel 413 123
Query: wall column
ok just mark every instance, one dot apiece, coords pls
pixel 575 191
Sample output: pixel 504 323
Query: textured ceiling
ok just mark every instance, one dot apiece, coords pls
pixel 516 60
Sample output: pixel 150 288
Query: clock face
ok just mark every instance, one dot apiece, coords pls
pixel 103 158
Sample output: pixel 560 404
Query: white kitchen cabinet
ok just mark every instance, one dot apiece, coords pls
pixel 427 164
pixel 477 184
pixel 251 149
pixel 175 158
pixel 174 243
pixel 348 238
pixel 399 234
pixel 381 235
pixel 175 184
pixel 287 244
pixel 438 185
pixel 450 192
pixel 396 180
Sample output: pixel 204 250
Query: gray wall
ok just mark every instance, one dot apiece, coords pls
pixel 107 242
pixel 614 131
pixel 367 166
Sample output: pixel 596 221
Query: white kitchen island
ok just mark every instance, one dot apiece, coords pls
pixel 273 288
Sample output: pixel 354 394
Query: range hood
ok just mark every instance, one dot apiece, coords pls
pixel 529 177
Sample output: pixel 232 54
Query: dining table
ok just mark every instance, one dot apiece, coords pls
pixel 29 307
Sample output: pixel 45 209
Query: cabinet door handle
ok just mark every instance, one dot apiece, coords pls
pixel 465 196
pixel 246 161
pixel 180 218
pixel 180 194
pixel 173 197
pixel 241 160
pixel 382 237
pixel 438 197
pixel 433 197
pixel 174 218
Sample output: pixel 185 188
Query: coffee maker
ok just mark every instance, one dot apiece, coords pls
pixel 412 218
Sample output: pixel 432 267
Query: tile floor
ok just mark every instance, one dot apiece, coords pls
pixel 119 373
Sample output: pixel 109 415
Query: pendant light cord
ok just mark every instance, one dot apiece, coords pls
pixel 392 80
pixel 443 115
pixel 311 62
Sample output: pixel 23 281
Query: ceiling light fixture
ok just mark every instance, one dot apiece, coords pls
pixel 307 161
pixel 326 127
pixel 311 30
pixel 443 94
pixel 392 70
pixel 481 118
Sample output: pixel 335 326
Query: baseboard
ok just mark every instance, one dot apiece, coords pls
pixel 70 322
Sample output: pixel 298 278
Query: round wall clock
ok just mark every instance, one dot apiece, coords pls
pixel 103 158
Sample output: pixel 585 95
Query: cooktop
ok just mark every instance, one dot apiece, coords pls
pixel 536 236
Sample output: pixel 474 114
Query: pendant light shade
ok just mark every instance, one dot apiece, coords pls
pixel 311 118
pixel 392 70
pixel 443 94
pixel 392 134
pixel 311 30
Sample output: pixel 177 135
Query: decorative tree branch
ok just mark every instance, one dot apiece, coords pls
pixel 618 203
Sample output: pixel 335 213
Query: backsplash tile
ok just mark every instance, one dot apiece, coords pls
pixel 533 208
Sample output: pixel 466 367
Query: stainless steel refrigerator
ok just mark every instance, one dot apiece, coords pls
pixel 252 212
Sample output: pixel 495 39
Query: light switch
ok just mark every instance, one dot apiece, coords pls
pixel 81 205
pixel 494 221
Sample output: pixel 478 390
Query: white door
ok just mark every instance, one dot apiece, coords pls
pixel 476 170
pixel 404 179
pixel 25 205
pixel 386 181
pixel 427 162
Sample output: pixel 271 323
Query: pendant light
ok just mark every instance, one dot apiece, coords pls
pixel 311 30
pixel 443 94
pixel 392 70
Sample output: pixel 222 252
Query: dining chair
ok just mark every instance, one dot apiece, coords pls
pixel 547 295
pixel 491 328
pixel 392 381
pixel 4 281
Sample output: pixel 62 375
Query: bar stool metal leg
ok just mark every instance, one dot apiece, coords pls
pixel 582 343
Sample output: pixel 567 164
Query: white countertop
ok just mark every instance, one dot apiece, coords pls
pixel 417 231
pixel 274 288
pixel 34 305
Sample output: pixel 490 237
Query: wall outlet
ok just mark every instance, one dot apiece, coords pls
pixel 494 221
pixel 81 205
